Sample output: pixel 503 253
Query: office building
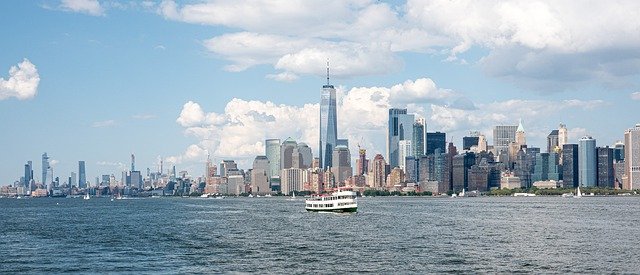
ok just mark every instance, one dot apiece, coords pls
pixel 419 136
pixel 272 151
pixel 400 127
pixel 631 178
pixel 260 176
pixel 587 162
pixel 502 136
pixel 45 168
pixel 82 175
pixel 552 141
pixel 436 140
pixel 405 150
pixel 570 175
pixel 328 124
pixel 286 153
pixel 341 164
pixel 606 172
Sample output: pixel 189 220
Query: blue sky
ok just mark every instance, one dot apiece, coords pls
pixel 99 80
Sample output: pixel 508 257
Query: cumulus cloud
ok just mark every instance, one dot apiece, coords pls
pixel 22 82
pixel 543 45
pixel 91 7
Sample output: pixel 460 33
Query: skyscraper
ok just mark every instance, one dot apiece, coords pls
pixel 45 167
pixel 82 175
pixel 563 135
pixel 286 153
pixel 304 156
pixel 341 168
pixel 404 151
pixel 552 141
pixel 419 135
pixel 133 162
pixel 587 162
pixel 28 174
pixel 502 136
pixel 400 128
pixel 272 151
pixel 631 178
pixel 260 176
pixel 436 140
pixel 521 139
pixel 570 165
pixel 328 124
pixel 606 173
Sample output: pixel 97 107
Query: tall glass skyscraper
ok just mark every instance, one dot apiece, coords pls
pixel 587 162
pixel 328 124
pixel 272 151
pixel 45 167
pixel 82 175
pixel 631 180
pixel 400 128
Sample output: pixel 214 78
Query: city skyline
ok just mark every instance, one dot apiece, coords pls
pixel 96 81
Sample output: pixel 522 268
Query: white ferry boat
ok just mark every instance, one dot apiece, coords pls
pixel 340 201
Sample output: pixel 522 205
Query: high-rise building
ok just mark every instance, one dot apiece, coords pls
pixel 460 173
pixel 303 157
pixel 587 162
pixel 286 153
pixel 400 128
pixel 419 136
pixel 343 141
pixel 570 165
pixel 606 173
pixel 225 167
pixel 404 151
pixel 541 168
pixel 291 179
pixel 28 174
pixel 552 141
pixel 362 163
pixel 618 152
pixel 482 143
pixel 377 172
pixel 521 139
pixel 272 151
pixel 631 178
pixel 341 164
pixel 411 168
pixel 328 123
pixel 471 140
pixel 82 175
pixel 45 168
pixel 260 176
pixel 133 162
pixel 563 135
pixel 436 140
pixel 502 136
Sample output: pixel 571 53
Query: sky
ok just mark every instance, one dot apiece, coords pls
pixel 174 81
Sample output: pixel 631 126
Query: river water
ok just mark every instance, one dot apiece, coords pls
pixel 276 235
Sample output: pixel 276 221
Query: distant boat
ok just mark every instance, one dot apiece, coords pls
pixel 250 195
pixel 267 196
pixel 461 193
pixel 578 193
pixel 294 195
pixel 86 196
pixel 524 195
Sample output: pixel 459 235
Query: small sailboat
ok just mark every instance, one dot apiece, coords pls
pixel 294 195
pixel 86 196
pixel 578 193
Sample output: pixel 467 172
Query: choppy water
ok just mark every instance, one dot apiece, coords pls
pixel 274 235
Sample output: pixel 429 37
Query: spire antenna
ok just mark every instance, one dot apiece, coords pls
pixel 327 71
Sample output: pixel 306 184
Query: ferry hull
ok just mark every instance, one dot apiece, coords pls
pixel 340 210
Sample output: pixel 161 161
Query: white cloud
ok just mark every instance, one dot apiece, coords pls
pixel 22 82
pixel 144 116
pixel 635 96
pixel 91 7
pixel 53 162
pixel 536 44
pixel 285 76
pixel 104 123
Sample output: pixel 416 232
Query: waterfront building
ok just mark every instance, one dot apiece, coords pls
pixel 563 135
pixel 606 173
pixel 570 175
pixel 587 162
pixel 286 153
pixel 509 181
pixel 328 124
pixel 436 140
pixel 419 137
pixel 405 150
pixel 341 164
pixel 460 175
pixel 225 167
pixel 362 162
pixel 470 141
pixel 82 175
pixel 400 128
pixel 541 168
pixel 631 179
pixel 552 141
pixel 260 176
pixel 377 172
pixel 235 184
pixel 396 178
pixel 292 179
pixel 272 151
pixel 45 168
pixel 502 136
